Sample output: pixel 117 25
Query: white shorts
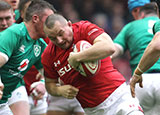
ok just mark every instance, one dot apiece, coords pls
pixel 63 104
pixel 5 110
pixel 19 94
pixel 39 107
pixel 149 95
pixel 120 102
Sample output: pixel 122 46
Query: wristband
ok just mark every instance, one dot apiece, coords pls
pixel 137 75
pixel 42 80
pixel 140 70
pixel 34 84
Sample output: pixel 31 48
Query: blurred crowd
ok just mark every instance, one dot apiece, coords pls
pixel 111 15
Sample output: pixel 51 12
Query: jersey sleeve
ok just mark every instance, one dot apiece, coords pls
pixel 38 64
pixel 121 38
pixel 156 27
pixel 8 41
pixel 90 31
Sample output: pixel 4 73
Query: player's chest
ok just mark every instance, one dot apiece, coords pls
pixel 60 64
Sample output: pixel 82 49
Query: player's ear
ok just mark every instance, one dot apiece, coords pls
pixel 69 23
pixel 35 18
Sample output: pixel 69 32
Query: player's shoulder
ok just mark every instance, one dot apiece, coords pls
pixel 82 23
pixel 49 54
pixel 156 27
pixel 157 23
pixel 17 29
pixel 49 49
pixel 15 32
pixel 136 23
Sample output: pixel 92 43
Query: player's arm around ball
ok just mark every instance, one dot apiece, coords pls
pixel 102 47
pixel 66 91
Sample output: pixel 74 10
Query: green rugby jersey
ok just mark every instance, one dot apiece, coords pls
pixel 156 27
pixel 17 14
pixel 135 37
pixel 23 52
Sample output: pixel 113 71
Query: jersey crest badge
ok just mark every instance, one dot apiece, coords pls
pixel 37 50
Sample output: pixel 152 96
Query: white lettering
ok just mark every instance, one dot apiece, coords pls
pixel 64 70
pixel 92 31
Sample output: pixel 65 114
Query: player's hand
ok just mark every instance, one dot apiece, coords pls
pixel 38 91
pixel 1 89
pixel 39 76
pixel 135 79
pixel 72 60
pixel 68 91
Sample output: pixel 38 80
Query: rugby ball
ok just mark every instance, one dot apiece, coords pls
pixel 90 68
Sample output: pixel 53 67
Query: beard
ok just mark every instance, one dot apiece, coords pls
pixel 39 29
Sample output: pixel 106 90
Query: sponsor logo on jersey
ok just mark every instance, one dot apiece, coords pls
pixel 15 73
pixel 37 50
pixel 22 48
pixel 64 70
pixel 57 63
pixel 23 65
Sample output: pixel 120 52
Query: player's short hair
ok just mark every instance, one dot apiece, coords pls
pixel 150 8
pixel 5 6
pixel 37 7
pixel 22 4
pixel 158 3
pixel 50 21
pixel 136 3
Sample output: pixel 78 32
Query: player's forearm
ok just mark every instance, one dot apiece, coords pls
pixel 41 71
pixel 103 47
pixel 51 86
pixel 118 51
pixel 52 89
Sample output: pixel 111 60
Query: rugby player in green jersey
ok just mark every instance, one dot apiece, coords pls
pixel 135 37
pixel 148 60
pixel 6 20
pixel 21 47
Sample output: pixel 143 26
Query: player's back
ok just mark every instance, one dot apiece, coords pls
pixel 135 37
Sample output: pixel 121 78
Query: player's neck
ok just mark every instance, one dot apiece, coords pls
pixel 31 30
pixel 150 15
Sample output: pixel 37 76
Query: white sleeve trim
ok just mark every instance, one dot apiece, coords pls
pixel 5 56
